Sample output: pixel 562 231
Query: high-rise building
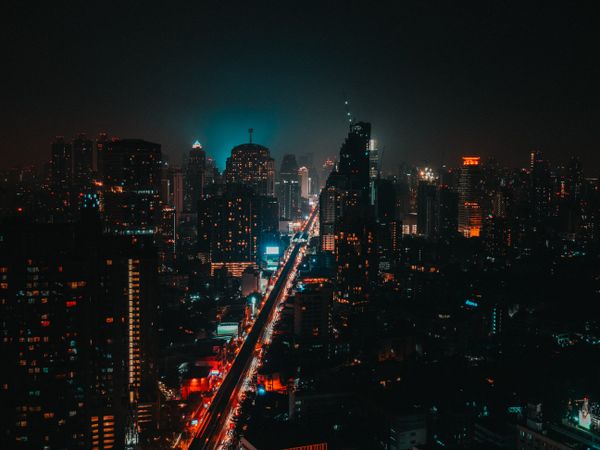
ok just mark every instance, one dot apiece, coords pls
pixel 312 313
pixel 211 173
pixel 78 326
pixel 101 141
pixel 541 187
pixel 251 164
pixel 82 162
pixel 61 164
pixel 195 176
pixel 228 227
pixel 426 208
pixel 373 159
pixel 288 189
pixel 327 167
pixel 305 181
pixel 354 159
pixel 469 206
pixel 131 187
pixel 328 212
pixel 447 212
pixel 43 306
pixel 307 160
pixel 355 223
pixel 177 191
pixel 389 226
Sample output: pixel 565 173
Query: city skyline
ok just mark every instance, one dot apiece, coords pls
pixel 274 226
pixel 487 79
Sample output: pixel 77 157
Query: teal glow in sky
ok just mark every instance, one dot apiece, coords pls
pixel 223 131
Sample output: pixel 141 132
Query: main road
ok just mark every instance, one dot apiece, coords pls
pixel 211 428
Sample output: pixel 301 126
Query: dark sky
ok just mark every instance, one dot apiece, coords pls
pixel 436 82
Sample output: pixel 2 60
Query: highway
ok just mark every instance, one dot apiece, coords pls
pixel 211 429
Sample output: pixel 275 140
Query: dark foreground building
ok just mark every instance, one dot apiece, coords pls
pixel 77 325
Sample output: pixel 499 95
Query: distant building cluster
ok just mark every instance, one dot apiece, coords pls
pixel 412 307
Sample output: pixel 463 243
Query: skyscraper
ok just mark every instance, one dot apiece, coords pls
pixel 252 165
pixel 374 163
pixel 541 187
pixel 228 227
pixel 194 176
pixel 177 191
pixel 312 314
pixel 305 181
pixel 447 213
pixel 426 208
pixel 79 345
pixel 43 307
pixel 288 189
pixel 101 141
pixel 328 212
pixel 131 187
pixel 355 223
pixel 60 164
pixel 82 162
pixel 354 159
pixel 469 206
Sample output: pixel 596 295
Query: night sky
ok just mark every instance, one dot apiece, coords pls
pixel 492 78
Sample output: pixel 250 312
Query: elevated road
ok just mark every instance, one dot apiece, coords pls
pixel 211 428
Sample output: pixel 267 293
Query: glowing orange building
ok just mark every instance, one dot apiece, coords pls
pixel 469 206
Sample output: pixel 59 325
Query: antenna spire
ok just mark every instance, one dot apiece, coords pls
pixel 348 113
pixel 250 131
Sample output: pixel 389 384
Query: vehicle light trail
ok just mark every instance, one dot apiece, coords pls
pixel 211 431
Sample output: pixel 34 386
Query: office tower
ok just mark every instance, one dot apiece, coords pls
pixel 355 225
pixel 61 164
pixel 328 212
pixel 251 164
pixel 131 187
pixel 540 188
pixel 501 202
pixel 228 227
pixel 268 214
pixel 211 173
pixel 62 194
pixel 305 182
pixel 165 188
pixel 288 189
pixel 312 314
pixel 402 205
pixel 373 159
pixel 177 191
pixel 327 167
pixel 496 235
pixel 354 159
pixel 125 341
pixel 469 206
pixel 82 162
pixel 389 227
pixel 307 160
pixel 447 213
pixel 575 179
pixel 426 208
pixel 373 169
pixel 101 141
pixel 195 176
pixel 167 238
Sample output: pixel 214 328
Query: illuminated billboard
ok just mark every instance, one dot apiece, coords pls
pixel 227 329
pixel 272 251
